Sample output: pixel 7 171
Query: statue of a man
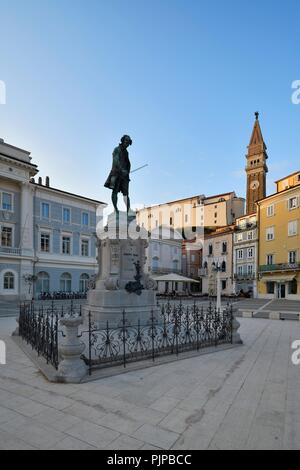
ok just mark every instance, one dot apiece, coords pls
pixel 118 179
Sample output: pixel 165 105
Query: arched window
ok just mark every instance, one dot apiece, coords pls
pixel 66 282
pixel 205 266
pixel 155 263
pixel 84 283
pixel 9 281
pixel 43 283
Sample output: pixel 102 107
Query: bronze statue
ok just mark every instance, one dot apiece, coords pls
pixel 118 179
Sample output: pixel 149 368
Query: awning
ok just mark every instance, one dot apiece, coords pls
pixel 172 277
pixel 283 278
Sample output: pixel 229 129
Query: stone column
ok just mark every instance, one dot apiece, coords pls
pixel 71 369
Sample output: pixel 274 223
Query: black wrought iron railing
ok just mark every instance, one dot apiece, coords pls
pixel 175 329
pixel 178 329
pixel 39 327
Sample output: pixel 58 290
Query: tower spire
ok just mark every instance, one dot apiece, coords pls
pixel 256 168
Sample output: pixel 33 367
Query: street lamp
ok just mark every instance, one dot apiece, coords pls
pixel 218 269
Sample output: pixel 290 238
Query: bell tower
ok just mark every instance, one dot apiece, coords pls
pixel 256 168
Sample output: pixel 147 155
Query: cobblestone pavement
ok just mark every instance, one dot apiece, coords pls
pixel 243 398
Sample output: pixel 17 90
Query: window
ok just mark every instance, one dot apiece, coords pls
pixel 210 250
pixel 66 282
pixel 224 285
pixel 171 220
pixel 293 203
pixel 66 215
pixel 84 283
pixel 7 202
pixel 270 210
pixel 250 235
pixel 186 218
pixel 293 228
pixel 224 247
pixel 293 287
pixel 292 257
pixel 270 287
pixel 270 233
pixel 193 258
pixel 85 218
pixel 175 265
pixel 9 281
pixel 250 269
pixel 66 245
pixel 240 254
pixel 240 270
pixel 45 210
pixel 85 247
pixel 270 259
pixel 223 267
pixel 6 237
pixel 43 283
pixel 45 242
pixel 250 252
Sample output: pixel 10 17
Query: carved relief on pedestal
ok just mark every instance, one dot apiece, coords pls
pixel 115 256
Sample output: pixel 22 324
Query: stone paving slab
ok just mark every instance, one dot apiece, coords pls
pixel 241 398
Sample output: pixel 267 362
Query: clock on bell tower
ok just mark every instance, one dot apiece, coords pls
pixel 256 168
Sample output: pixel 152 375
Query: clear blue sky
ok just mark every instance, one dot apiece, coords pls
pixel 182 77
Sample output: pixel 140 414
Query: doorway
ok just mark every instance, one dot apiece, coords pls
pixel 281 291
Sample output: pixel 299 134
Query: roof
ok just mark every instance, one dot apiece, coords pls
pixel 279 193
pixel 68 193
pixel 288 176
pixel 14 147
pixel 172 277
pixel 200 196
pixel 19 160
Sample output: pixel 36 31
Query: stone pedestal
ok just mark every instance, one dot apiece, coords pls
pixel 71 369
pixel 121 254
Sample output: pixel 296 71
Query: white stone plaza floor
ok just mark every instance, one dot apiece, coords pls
pixel 242 398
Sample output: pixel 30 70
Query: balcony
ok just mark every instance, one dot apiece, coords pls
pixel 245 277
pixel 4 250
pixel 270 268
pixel 202 272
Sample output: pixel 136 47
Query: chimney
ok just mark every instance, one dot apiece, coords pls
pixel 47 181
pixel 40 181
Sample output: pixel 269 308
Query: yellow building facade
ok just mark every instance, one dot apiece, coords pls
pixel 279 241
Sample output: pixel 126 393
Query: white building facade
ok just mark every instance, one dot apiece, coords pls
pixel 245 255
pixel 164 256
pixel 48 236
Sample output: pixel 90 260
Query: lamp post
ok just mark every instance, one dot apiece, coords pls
pixel 219 300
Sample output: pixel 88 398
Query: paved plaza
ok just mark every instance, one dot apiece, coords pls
pixel 243 398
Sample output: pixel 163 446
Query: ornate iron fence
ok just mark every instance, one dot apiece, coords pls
pixel 179 329
pixel 39 327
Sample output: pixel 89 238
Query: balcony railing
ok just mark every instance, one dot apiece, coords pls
pixel 9 251
pixel 279 267
pixel 202 272
pixel 245 277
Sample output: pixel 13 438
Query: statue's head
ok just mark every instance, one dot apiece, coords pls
pixel 126 141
